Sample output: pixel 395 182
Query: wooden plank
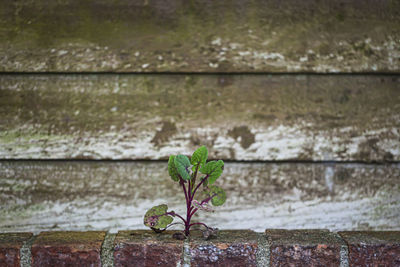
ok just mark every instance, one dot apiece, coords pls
pixel 200 36
pixel 239 117
pixel 42 195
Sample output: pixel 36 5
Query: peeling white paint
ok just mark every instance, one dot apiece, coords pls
pixel 279 142
pixel 87 214
pixel 252 55
pixel 216 41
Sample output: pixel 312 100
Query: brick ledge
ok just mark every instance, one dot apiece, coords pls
pixel 274 247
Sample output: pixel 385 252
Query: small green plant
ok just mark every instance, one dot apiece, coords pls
pixel 185 172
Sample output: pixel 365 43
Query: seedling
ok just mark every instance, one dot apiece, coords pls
pixel 185 172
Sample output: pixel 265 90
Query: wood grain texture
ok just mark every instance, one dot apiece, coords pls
pixel 239 117
pixel 200 36
pixel 79 195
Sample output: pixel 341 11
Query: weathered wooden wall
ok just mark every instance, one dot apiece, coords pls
pixel 200 36
pixel 240 117
pixel 41 195
pixel 306 92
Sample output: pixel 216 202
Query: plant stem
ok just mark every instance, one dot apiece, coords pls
pixel 195 174
pixel 189 195
pixel 201 182
pixel 168 226
pixel 177 215
pixel 207 199
pixel 189 191
pixel 188 205
pixel 190 213
pixel 201 203
pixel 199 223
pixel 184 189
pixel 193 212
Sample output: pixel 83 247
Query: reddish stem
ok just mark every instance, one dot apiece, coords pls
pixel 184 190
pixel 201 203
pixel 202 181
pixel 193 212
pixel 188 205
pixel 189 191
pixel 177 215
pixel 168 226
pixel 207 199
pixel 198 223
pixel 195 174
pixel 189 195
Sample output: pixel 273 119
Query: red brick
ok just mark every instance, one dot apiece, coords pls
pixel 147 248
pixel 10 245
pixel 67 249
pixel 373 248
pixel 229 248
pixel 304 248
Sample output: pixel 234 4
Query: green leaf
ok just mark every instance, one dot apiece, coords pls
pixel 182 165
pixel 199 156
pixel 172 169
pixel 220 195
pixel 156 218
pixel 214 169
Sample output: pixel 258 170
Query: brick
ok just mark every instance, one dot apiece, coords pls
pixel 373 248
pixel 67 249
pixel 304 247
pixel 147 248
pixel 10 245
pixel 229 248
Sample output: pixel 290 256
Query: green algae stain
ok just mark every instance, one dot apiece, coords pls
pixel 105 103
pixel 24 139
pixel 183 34
pixel 69 237
pixel 22 211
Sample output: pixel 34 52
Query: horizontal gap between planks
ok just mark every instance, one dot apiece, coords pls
pixel 208 73
pixel 225 160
